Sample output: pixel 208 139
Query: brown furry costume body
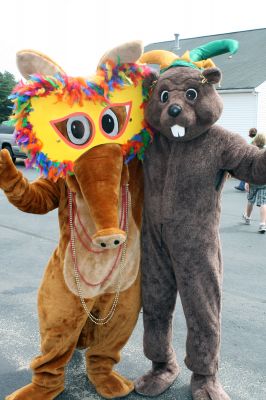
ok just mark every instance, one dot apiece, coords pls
pixel 99 175
pixel 61 315
pixel 183 176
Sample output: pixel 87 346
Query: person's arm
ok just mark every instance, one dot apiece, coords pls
pixel 38 197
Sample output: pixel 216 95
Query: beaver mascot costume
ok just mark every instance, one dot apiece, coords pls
pixel 184 171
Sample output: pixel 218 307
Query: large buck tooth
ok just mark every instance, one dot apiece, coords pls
pixel 178 131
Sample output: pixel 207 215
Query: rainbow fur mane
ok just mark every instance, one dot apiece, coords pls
pixel 74 90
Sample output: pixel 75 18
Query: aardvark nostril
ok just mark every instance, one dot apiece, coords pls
pixel 174 110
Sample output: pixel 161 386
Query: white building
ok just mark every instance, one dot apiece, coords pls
pixel 243 87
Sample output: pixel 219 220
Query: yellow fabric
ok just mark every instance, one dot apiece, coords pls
pixel 165 58
pixel 47 111
pixel 161 57
pixel 200 64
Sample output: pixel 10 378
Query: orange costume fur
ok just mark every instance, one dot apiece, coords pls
pixel 97 186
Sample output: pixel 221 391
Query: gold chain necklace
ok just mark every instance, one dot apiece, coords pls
pixel 108 317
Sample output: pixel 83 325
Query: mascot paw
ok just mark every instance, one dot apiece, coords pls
pixel 112 385
pixel 207 388
pixel 8 171
pixel 35 392
pixel 158 379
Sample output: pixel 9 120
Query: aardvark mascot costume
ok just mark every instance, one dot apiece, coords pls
pixel 184 170
pixel 77 131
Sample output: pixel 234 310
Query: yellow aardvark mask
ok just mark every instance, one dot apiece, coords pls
pixel 58 118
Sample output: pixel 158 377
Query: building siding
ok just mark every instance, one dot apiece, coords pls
pixel 261 126
pixel 240 112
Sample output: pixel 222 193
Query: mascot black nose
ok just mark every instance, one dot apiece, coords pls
pixel 174 110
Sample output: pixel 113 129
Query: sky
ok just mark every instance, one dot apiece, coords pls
pixel 75 33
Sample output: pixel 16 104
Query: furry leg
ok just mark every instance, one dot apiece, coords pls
pixel 207 387
pixel 108 383
pixel 109 339
pixel 158 379
pixel 35 392
pixel 159 299
pixel 61 319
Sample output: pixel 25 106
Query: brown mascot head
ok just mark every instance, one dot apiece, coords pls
pixel 184 102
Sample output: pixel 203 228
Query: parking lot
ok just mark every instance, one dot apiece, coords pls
pixel 26 242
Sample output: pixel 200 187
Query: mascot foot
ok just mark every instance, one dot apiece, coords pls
pixel 158 379
pixel 207 388
pixel 112 385
pixel 35 392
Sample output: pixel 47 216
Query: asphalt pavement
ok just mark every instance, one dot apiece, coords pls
pixel 26 242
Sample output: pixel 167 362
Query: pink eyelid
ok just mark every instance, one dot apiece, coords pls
pixel 68 142
pixel 129 104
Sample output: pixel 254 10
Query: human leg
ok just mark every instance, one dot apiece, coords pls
pixel 159 293
pixel 252 194
pixel 246 215
pixel 61 318
pixel 262 227
pixel 249 209
pixel 109 339
pixel 263 214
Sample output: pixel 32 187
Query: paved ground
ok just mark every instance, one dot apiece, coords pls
pixel 26 241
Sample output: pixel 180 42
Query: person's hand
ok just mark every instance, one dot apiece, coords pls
pixel 7 168
pixel 246 187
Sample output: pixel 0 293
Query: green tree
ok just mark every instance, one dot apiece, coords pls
pixel 7 82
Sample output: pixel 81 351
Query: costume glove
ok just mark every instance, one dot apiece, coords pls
pixel 8 172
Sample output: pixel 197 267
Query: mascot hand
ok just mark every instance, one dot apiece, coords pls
pixel 8 171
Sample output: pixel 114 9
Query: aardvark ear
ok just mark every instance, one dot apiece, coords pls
pixel 32 62
pixel 124 54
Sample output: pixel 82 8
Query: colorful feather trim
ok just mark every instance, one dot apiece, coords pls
pixel 109 77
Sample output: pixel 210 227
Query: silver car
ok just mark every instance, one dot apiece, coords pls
pixel 7 141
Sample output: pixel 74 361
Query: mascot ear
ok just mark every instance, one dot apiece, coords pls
pixel 32 62
pixel 212 75
pixel 126 53
pixel 151 79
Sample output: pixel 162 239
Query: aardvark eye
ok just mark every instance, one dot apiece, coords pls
pixel 78 129
pixel 110 123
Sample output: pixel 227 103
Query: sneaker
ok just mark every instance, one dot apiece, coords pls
pixel 240 188
pixel 246 219
pixel 262 228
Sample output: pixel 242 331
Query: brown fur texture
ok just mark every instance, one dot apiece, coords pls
pixel 64 325
pixel 195 120
pixel 98 174
pixel 183 178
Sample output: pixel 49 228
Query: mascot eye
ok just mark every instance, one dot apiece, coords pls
pixel 110 123
pixel 191 94
pixel 75 129
pixel 113 120
pixel 164 96
pixel 78 129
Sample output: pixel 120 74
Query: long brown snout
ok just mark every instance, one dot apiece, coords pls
pixel 99 172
